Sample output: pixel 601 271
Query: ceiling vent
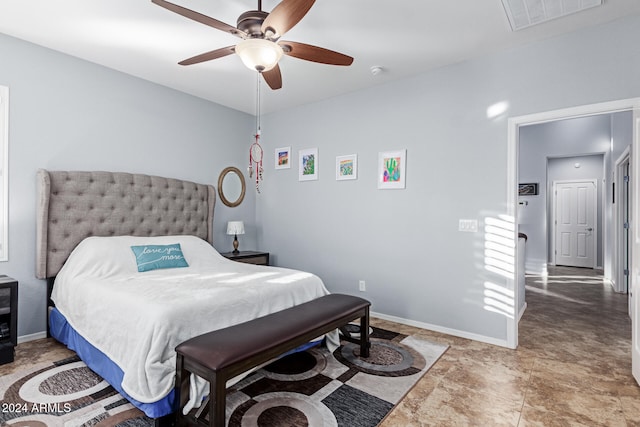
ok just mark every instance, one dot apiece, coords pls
pixel 525 13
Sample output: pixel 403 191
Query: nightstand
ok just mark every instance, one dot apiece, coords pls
pixel 249 257
pixel 8 318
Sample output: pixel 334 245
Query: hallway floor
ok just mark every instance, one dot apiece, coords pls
pixel 572 366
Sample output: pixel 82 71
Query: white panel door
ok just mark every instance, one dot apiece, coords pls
pixel 575 223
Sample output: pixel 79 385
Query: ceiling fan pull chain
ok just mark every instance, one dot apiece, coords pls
pixel 255 151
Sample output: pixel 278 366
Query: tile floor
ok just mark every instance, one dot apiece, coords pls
pixel 572 367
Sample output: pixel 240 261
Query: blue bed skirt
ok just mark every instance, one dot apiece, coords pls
pixel 61 330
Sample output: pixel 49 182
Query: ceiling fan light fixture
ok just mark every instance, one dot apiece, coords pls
pixel 259 54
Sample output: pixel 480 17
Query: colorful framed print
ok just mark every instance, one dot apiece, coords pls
pixel 283 158
pixel 308 164
pixel 392 167
pixel 347 167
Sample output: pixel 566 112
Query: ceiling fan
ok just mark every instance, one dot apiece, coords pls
pixel 261 47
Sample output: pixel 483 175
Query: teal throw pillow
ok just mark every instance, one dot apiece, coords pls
pixel 153 257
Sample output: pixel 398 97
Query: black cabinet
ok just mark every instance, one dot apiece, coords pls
pixel 8 318
pixel 248 257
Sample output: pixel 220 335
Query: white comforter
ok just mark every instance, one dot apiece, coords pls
pixel 137 319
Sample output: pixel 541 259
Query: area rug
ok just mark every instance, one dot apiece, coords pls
pixel 312 388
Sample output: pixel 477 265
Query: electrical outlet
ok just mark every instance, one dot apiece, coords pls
pixel 362 286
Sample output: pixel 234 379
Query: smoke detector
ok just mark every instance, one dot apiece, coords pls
pixel 376 69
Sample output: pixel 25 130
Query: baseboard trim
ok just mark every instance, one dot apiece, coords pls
pixel 32 337
pixel 541 273
pixel 442 330
pixel 417 324
pixel 524 307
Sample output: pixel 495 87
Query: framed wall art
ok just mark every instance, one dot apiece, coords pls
pixel 392 167
pixel 283 158
pixel 529 189
pixel 346 167
pixel 308 164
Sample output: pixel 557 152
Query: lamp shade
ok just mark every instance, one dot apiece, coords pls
pixel 259 54
pixel 235 227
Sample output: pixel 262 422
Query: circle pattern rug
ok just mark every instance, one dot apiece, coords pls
pixel 321 389
pixel 65 393
pixel 311 388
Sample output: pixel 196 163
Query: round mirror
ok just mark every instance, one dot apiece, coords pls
pixel 231 186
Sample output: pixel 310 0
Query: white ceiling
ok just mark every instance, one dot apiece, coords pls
pixel 405 37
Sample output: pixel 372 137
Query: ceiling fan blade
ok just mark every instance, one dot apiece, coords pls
pixel 203 19
pixel 314 53
pixel 273 77
pixel 208 56
pixel 284 16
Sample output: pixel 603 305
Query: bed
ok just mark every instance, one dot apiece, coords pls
pixel 125 323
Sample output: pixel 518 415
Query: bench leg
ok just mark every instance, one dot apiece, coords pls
pixel 182 389
pixel 165 421
pixel 217 401
pixel 364 334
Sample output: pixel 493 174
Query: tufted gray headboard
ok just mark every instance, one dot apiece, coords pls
pixel 76 205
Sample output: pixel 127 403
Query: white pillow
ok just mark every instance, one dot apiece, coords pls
pixel 102 257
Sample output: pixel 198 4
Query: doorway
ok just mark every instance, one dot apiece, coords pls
pixel 622 220
pixel 514 126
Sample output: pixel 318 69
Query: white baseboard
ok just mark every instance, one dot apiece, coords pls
pixel 614 287
pixel 541 273
pixel 32 337
pixel 448 331
pixel 422 325
pixel 522 310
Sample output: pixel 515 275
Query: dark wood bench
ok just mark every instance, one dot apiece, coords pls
pixel 220 355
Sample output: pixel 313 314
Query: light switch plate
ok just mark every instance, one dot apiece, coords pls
pixel 468 225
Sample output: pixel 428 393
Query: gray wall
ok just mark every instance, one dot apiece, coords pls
pixel 406 243
pixel 70 114
pixel 621 134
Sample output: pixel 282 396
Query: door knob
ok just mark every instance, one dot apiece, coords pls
pixel 589 229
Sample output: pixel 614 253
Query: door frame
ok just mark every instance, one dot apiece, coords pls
pixel 553 204
pixel 513 142
pixel 634 265
pixel 619 284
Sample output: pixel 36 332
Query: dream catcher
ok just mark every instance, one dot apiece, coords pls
pixel 255 151
pixel 255 160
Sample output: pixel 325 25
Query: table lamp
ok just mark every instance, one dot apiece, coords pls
pixel 235 228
